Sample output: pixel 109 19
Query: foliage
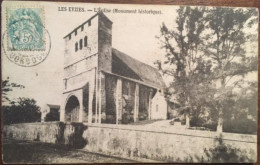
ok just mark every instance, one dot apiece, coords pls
pixel 227 50
pixel 198 117
pixel 241 116
pixel 206 55
pixel 224 153
pixel 7 87
pixel 211 125
pixel 75 139
pixel 240 125
pixel 184 60
pixel 24 110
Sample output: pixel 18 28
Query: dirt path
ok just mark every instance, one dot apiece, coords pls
pixel 38 153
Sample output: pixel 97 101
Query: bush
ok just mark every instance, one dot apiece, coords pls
pixel 183 122
pixel 211 125
pixel 177 119
pixel 223 153
pixel 24 111
pixel 76 139
pixel 244 126
pixel 127 118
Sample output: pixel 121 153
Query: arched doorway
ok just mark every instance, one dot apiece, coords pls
pixel 72 109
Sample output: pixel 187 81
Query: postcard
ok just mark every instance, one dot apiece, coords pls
pixel 121 83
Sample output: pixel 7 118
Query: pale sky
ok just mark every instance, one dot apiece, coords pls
pixel 133 34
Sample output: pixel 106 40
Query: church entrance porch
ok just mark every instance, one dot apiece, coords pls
pixel 112 99
pixel 72 109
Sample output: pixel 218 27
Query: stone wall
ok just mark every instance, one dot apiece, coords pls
pixel 44 132
pixel 138 142
pixel 164 145
pixel 49 132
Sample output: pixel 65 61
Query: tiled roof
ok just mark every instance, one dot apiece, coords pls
pixel 127 66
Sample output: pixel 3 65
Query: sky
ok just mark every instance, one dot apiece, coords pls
pixel 133 34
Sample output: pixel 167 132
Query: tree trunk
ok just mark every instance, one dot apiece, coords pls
pixel 187 115
pixel 220 122
pixel 220 116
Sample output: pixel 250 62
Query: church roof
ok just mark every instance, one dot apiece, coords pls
pixel 124 65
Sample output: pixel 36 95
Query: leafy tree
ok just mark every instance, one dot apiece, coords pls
pixel 185 61
pixel 7 87
pixel 225 153
pixel 208 48
pixel 227 38
pixel 21 111
pixel 24 110
pixel 241 116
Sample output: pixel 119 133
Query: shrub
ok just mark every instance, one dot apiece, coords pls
pixel 76 139
pixel 224 153
pixel 244 126
pixel 211 125
pixel 24 111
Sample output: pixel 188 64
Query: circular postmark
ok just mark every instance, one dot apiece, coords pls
pixel 27 58
pixel 26 42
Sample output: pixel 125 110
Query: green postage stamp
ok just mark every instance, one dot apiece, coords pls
pixel 128 83
pixel 25 29
pixel 26 41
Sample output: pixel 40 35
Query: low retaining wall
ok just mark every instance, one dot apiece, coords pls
pixel 44 132
pixel 138 142
pixel 50 132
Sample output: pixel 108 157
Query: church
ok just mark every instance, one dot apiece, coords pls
pixel 104 85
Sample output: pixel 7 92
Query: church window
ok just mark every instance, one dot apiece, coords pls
pixel 85 41
pixel 75 32
pixel 80 44
pixel 82 27
pixel 76 46
pixel 89 23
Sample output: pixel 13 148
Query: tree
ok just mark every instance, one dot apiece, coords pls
pixel 226 47
pixel 24 110
pixel 241 114
pixel 225 153
pixel 21 111
pixel 8 87
pixel 208 47
pixel 185 61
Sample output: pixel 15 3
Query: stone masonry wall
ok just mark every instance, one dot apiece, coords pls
pixel 44 132
pixel 135 142
pixel 163 145
pixel 50 132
